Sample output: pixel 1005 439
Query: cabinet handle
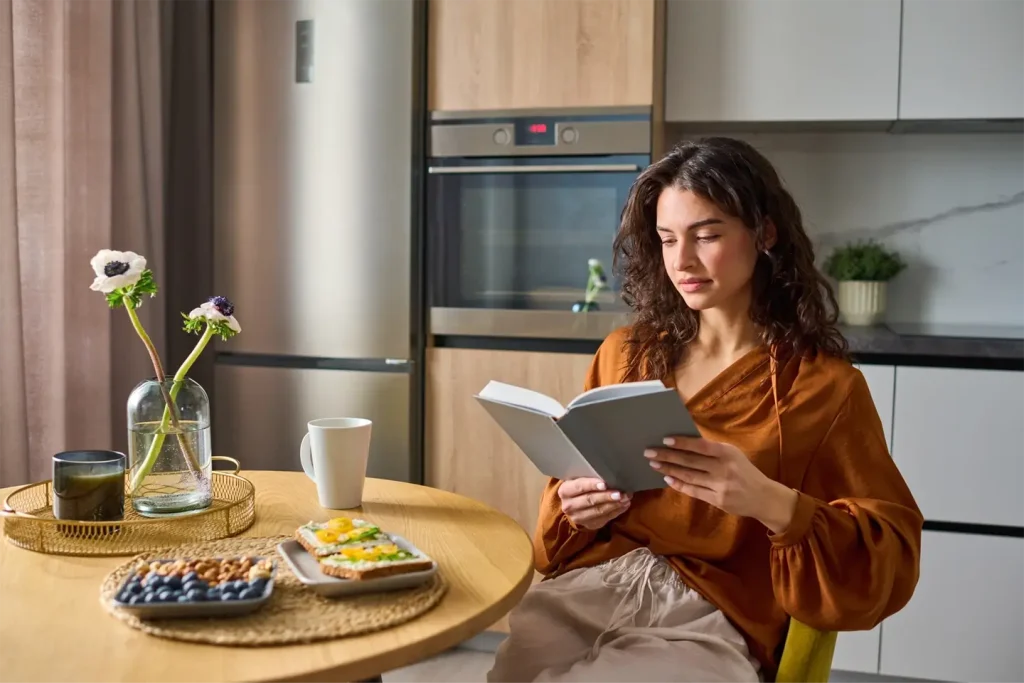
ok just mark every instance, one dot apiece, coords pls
pixel 559 168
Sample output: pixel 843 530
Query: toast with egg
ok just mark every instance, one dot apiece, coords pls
pixel 373 560
pixel 328 538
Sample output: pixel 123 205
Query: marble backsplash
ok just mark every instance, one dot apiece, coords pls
pixel 951 204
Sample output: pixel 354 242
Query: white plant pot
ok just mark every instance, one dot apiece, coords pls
pixel 862 302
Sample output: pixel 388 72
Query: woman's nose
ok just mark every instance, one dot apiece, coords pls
pixel 685 255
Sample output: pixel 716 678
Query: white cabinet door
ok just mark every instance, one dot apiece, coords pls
pixel 881 381
pixel 958 439
pixel 962 59
pixel 858 650
pixel 965 620
pixel 782 60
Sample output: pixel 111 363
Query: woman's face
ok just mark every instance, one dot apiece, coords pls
pixel 709 256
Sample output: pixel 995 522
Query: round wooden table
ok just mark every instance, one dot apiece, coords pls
pixel 53 628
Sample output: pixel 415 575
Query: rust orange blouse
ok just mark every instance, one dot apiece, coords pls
pixel 849 558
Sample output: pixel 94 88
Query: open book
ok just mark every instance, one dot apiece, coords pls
pixel 601 433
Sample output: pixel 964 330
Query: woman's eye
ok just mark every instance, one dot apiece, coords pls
pixel 667 242
pixel 707 238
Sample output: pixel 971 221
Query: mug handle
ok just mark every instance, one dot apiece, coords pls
pixel 306 458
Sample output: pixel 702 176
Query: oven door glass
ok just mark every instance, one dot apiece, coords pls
pixel 517 233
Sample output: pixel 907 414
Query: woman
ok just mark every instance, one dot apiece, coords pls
pixel 789 506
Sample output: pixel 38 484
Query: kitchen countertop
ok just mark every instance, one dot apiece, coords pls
pixel 913 344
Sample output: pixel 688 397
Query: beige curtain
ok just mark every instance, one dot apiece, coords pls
pixel 83 133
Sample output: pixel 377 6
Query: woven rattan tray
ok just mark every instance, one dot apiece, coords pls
pixel 29 522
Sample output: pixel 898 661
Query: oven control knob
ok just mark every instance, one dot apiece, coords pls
pixel 501 136
pixel 569 135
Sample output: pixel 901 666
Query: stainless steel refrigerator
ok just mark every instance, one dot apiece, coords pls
pixel 316 163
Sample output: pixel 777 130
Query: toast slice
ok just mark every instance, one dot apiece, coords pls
pixel 373 560
pixel 328 538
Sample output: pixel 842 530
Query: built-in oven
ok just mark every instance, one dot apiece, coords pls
pixel 517 205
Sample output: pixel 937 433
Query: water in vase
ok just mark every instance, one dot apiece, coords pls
pixel 171 486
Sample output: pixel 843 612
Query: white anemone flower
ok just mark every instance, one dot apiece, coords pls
pixel 218 309
pixel 116 269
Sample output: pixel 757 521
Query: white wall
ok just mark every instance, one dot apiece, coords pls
pixel 951 204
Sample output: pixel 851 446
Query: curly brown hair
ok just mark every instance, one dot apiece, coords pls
pixel 792 303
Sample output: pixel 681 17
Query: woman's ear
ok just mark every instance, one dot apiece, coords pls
pixel 770 234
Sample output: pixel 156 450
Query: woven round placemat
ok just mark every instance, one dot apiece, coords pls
pixel 294 614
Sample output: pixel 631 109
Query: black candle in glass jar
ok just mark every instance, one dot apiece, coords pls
pixel 89 486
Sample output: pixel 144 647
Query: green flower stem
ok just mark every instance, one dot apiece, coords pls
pixel 170 415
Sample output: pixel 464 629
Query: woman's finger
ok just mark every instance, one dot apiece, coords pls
pixel 694 461
pixel 592 500
pixel 570 488
pixel 698 492
pixel 685 474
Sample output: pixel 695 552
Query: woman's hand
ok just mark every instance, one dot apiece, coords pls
pixel 721 475
pixel 587 503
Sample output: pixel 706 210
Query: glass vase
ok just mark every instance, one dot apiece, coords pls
pixel 169 447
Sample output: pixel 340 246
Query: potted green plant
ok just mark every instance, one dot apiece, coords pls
pixel 863 270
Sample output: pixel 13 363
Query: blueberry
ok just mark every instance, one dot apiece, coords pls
pixel 213 594
pixel 228 595
pixel 135 599
pixel 133 588
pixel 249 594
pixel 172 582
pixel 151 598
pixel 153 581
pixel 196 595
pixel 259 585
pixel 190 577
pixel 176 594
pixel 164 595
pixel 181 598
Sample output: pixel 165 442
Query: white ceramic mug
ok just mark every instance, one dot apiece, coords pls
pixel 334 453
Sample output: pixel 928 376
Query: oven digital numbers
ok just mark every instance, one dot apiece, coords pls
pixel 535 132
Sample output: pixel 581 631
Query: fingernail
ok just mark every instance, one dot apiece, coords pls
pixel 649 453
pixel 656 465
pixel 669 480
pixel 616 495
pixel 669 441
pixel 601 486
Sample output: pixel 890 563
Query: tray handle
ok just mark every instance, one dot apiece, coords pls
pixel 238 465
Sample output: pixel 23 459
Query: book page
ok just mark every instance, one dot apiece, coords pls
pixel 525 398
pixel 613 391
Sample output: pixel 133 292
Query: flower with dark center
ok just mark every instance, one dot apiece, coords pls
pixel 116 270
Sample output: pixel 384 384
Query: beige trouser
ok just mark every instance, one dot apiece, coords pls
pixel 629 619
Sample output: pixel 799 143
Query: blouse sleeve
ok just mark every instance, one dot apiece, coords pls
pixel 850 557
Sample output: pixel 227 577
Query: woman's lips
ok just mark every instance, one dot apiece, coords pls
pixel 693 284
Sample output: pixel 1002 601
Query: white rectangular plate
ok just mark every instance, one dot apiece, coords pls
pixel 307 570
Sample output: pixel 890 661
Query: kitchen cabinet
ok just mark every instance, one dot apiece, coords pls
pixel 962 59
pixel 782 60
pixel 959 442
pixel 965 620
pixel 859 650
pixel 466 451
pixel 523 54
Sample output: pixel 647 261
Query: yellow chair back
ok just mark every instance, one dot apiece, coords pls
pixel 806 655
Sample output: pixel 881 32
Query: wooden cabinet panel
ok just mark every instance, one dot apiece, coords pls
pixel 466 451
pixel 965 620
pixel 962 59
pixel 520 54
pixel 959 441
pixel 782 60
